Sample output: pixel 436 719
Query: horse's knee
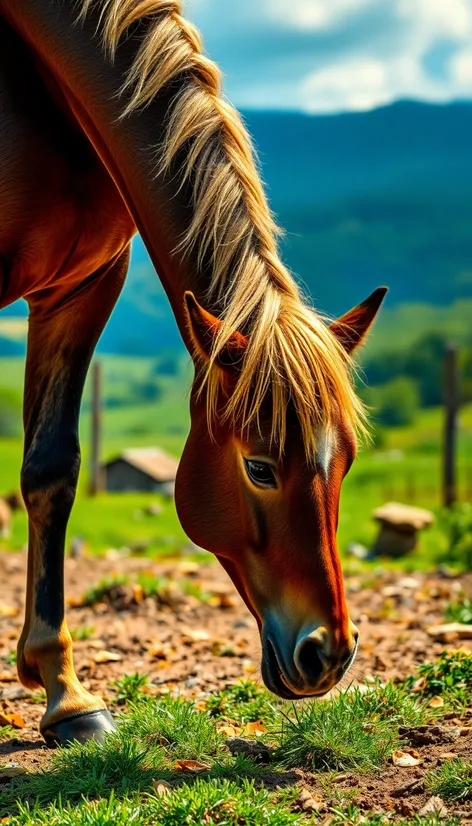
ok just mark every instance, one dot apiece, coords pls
pixel 49 476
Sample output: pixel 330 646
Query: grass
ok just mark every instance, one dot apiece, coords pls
pixel 145 585
pixel 102 591
pixel 460 611
pixel 450 676
pixel 129 689
pixel 356 730
pixel 451 781
pixel 84 632
pixel 94 785
pixel 213 803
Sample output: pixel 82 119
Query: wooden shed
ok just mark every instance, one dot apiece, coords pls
pixel 141 470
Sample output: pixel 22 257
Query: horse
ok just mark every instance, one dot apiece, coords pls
pixel 113 121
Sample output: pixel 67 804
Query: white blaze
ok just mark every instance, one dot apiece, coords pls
pixel 325 445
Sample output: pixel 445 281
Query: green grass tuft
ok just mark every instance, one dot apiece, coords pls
pixel 337 735
pixel 130 688
pixel 451 781
pixel 460 611
pixel 213 803
pixel 102 591
pixel 175 724
pixel 449 676
pixel 244 702
pixel 83 632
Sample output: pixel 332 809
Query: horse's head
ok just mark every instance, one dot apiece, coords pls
pixel 271 517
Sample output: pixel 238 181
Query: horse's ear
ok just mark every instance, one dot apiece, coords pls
pixel 204 327
pixel 352 328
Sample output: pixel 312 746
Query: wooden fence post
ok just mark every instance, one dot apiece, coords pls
pixel 451 406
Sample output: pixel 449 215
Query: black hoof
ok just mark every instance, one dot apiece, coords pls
pixel 80 728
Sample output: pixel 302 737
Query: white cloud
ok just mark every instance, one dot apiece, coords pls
pixel 360 83
pixel 461 70
pixel 438 18
pixel 312 14
pixel 335 55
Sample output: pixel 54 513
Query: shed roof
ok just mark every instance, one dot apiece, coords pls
pixel 150 460
pixel 404 516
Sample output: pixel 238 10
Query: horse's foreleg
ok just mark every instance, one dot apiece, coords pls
pixel 61 341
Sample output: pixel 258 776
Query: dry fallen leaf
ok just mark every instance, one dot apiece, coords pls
pixel 448 755
pixel 193 766
pixel 405 759
pixel 8 611
pixel 75 602
pixel 256 728
pixel 419 685
pixel 228 729
pixel 161 787
pixel 12 720
pixel 434 806
pixel 107 657
pixel 436 702
pixel 195 635
pixel 160 652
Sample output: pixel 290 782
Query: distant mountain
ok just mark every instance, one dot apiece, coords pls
pixel 381 197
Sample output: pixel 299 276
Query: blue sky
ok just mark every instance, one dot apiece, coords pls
pixel 338 55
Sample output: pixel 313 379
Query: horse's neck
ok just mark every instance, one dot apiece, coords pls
pixel 90 82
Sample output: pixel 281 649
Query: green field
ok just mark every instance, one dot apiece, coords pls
pixel 407 467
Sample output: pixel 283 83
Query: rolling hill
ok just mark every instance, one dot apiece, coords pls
pixel 365 199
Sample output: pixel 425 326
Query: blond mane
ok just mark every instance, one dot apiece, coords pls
pixel 291 351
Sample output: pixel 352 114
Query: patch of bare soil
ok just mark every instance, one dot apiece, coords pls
pixel 194 648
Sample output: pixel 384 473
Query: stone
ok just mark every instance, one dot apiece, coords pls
pixel 399 527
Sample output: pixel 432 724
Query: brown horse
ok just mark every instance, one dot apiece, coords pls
pixel 112 120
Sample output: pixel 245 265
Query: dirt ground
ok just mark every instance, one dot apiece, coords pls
pixel 193 648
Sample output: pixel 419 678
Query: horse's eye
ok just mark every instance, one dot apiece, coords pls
pixel 260 473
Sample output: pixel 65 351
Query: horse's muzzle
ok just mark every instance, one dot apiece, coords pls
pixel 308 666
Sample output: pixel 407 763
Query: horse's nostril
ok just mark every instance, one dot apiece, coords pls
pixel 311 660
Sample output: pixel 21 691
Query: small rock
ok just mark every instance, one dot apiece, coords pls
pixel 412 787
pixel 15 692
pixel 308 802
pixel 450 632
pixel 10 770
pixel 257 750
pixel 404 807
pixel 429 735
pixel 409 583
pixel 433 806
pixel 242 623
